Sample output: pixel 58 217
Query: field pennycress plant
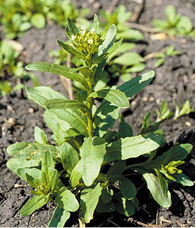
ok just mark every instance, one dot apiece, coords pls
pixel 90 166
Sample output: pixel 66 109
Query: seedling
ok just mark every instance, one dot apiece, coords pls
pixel 85 171
pixel 10 66
pixel 165 113
pixel 175 24
pixel 170 51
pixel 17 16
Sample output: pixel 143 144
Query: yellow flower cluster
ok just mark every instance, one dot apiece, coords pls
pixel 87 41
pixel 171 168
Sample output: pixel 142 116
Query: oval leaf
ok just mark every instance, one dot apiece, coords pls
pixel 89 200
pixel 114 96
pixel 92 155
pixel 155 185
pixel 59 217
pixel 132 147
pixel 67 200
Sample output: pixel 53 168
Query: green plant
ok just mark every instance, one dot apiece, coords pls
pixel 165 113
pixel 175 24
pixel 122 61
pixel 10 66
pixel 170 51
pixel 17 16
pixel 91 167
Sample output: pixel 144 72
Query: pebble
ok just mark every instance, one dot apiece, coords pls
pixel 188 123
pixel 11 121
pixel 31 110
pixel 151 99
pixel 145 99
pixel 10 108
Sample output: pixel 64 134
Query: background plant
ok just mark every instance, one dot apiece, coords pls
pixel 91 167
pixel 170 51
pixel 17 16
pixel 175 24
pixel 10 66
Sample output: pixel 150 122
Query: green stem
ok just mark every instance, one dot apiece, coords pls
pixel 90 105
pixel 142 164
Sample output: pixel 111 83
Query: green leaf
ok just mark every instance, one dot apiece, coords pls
pixel 155 185
pixel 185 110
pixel 116 170
pixel 38 21
pixel 163 183
pixel 106 196
pixel 127 188
pixel 124 206
pixel 96 23
pixel 41 94
pixel 72 27
pixel 185 24
pixel 35 203
pixel 76 174
pixel 59 70
pixel 31 175
pixel 128 59
pixel 69 156
pixel 136 68
pixel 176 153
pixel 124 129
pixel 136 84
pixel 132 147
pixel 60 128
pixel 75 118
pixel 40 136
pixel 124 47
pixel 24 26
pixel 147 126
pixel 71 50
pixel 171 14
pixel 59 217
pixel 105 208
pixel 114 96
pixel 159 62
pixel 34 151
pixel 182 179
pixel 164 112
pixel 130 34
pixel 92 155
pixel 108 41
pixel 88 200
pixel 48 167
pixel 15 163
pixel 67 200
pixel 64 104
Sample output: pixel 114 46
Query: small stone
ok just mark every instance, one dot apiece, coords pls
pixel 151 99
pixel 96 5
pixel 158 101
pixel 145 99
pixel 10 108
pixel 133 104
pixel 11 121
pixel 31 110
pixel 188 123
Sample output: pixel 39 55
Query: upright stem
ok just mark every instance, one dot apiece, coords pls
pixel 89 116
pixel 90 105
